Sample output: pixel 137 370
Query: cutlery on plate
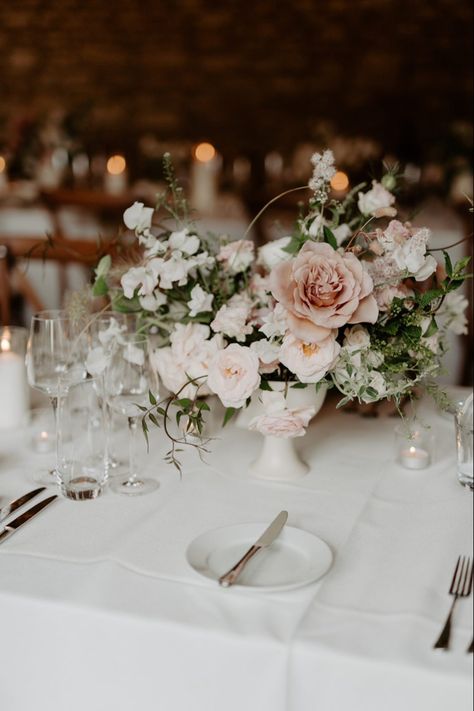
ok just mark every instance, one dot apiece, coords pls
pixel 265 540
pixel 11 527
pixel 5 511
pixel 461 586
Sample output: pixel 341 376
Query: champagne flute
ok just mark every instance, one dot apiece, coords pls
pixel 55 361
pixel 128 379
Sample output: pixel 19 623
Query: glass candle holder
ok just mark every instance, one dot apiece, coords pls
pixel 413 446
pixel 13 383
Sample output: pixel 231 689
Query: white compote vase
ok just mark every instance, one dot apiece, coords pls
pixel 278 459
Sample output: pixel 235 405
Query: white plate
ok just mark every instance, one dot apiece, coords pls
pixel 295 559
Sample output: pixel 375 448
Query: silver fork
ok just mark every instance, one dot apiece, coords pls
pixel 461 586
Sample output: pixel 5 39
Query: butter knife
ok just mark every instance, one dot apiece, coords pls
pixel 265 540
pixel 5 511
pixel 11 527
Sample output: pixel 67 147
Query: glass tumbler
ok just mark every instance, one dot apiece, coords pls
pixel 83 464
pixel 464 444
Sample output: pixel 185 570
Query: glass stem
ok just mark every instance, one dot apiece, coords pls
pixel 56 403
pixel 132 441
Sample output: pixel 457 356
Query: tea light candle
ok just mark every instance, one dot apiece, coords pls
pixel 13 387
pixel 204 174
pixel 414 458
pixel 115 180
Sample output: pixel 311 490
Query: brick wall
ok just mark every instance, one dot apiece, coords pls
pixel 247 74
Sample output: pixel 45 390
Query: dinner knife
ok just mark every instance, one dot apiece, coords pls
pixel 11 527
pixel 265 540
pixel 5 511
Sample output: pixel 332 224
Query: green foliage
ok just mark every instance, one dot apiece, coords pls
pixel 329 237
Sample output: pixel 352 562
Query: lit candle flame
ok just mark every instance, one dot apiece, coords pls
pixel 412 450
pixel 3 164
pixel 116 165
pixel 204 152
pixel 43 435
pixel 340 181
pixel 5 342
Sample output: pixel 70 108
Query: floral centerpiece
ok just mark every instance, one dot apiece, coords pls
pixel 353 299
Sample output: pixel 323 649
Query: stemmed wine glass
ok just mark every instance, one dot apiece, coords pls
pixel 105 333
pixel 55 361
pixel 128 380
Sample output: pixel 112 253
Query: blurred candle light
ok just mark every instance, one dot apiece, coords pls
pixel 3 173
pixel 13 386
pixel 204 177
pixel 115 180
pixel 340 181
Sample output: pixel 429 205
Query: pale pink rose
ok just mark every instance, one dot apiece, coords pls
pixel 233 318
pixel 323 290
pixel 268 354
pixel 309 361
pixel 386 294
pixel 278 420
pixel 233 375
pixel 237 256
pixel 188 358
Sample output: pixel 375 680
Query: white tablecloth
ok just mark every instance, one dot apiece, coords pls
pixel 99 610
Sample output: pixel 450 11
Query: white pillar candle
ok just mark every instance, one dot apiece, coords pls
pixel 13 386
pixel 204 178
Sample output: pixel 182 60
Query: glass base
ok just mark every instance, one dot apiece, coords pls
pixel 134 488
pixel 82 488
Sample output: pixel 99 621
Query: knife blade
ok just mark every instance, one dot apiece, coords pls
pixel 5 511
pixel 19 521
pixel 265 540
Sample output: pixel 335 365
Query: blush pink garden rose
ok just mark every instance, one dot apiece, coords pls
pixel 309 361
pixel 233 375
pixel 322 290
pixel 280 421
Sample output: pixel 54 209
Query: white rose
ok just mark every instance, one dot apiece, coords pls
pixel 275 323
pixel 138 217
pixel 309 361
pixel 237 256
pixel 268 354
pixel 273 253
pixel 233 375
pixel 232 318
pixel 200 302
pixel 377 198
pixel 356 337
